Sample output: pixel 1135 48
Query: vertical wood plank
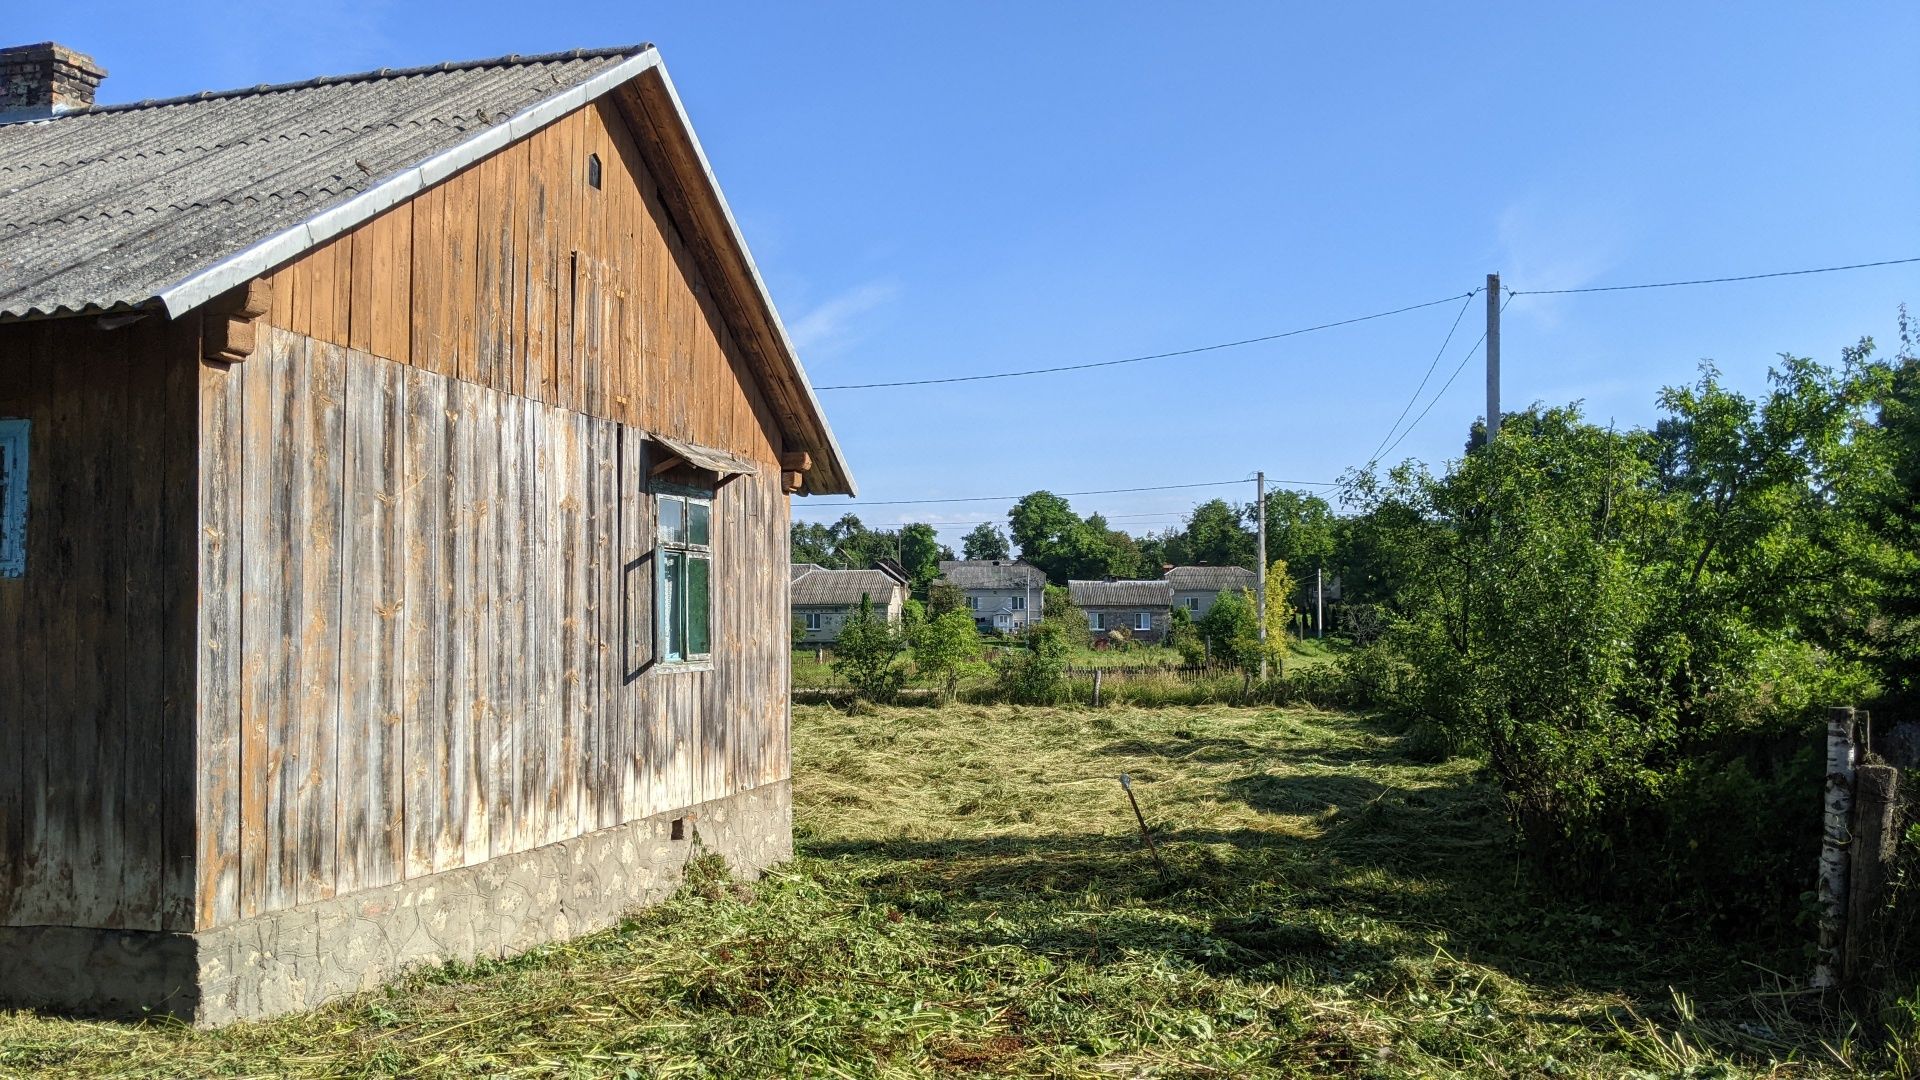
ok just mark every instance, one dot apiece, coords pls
pixel 222 535
pixel 426 581
pixel 318 492
pixel 370 840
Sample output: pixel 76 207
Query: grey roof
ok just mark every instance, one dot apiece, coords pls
pixel 991 574
pixel 841 588
pixel 1139 594
pixel 794 570
pixel 1210 578
pixel 124 205
pixel 169 203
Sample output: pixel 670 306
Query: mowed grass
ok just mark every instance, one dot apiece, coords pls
pixel 973 897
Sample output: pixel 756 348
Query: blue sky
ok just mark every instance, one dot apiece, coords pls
pixel 949 189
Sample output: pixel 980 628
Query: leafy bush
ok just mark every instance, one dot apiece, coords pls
pixel 943 647
pixel 865 654
pixel 1035 675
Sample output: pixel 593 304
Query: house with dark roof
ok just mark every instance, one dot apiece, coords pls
pixel 824 599
pixel 394 485
pixel 1004 595
pixel 1195 588
pixel 1139 610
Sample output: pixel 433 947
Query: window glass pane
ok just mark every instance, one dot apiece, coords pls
pixel 698 524
pixel 673 605
pixel 673 519
pixel 699 606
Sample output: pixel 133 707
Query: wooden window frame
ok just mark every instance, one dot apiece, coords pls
pixel 13 497
pixel 813 621
pixel 1098 619
pixel 1140 617
pixel 689 495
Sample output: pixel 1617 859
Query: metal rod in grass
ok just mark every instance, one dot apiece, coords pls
pixel 1126 785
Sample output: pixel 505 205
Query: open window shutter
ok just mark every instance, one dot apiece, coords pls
pixel 638 558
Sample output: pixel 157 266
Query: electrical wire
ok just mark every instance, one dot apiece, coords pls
pixel 1438 353
pixel 1150 356
pixel 1461 366
pixel 1711 281
pixel 1062 494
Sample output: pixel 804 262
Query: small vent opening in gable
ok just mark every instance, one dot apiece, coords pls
pixel 593 170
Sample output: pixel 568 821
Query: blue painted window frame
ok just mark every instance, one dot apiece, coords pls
pixel 13 498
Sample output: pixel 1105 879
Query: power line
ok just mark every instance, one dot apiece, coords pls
pixel 1062 494
pixel 1711 281
pixel 1150 356
pixel 1438 353
pixel 1443 389
pixel 1003 521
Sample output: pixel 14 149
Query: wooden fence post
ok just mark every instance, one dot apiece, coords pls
pixel 1096 687
pixel 1875 846
pixel 1835 836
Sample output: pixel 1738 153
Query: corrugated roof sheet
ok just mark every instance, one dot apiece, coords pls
pixel 991 574
pixel 1215 578
pixel 1142 594
pixel 109 207
pixel 823 588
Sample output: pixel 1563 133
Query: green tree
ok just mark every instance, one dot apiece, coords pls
pixel 1036 675
pixel 943 647
pixel 1231 629
pixel 1184 636
pixel 866 651
pixel 1300 527
pixel 920 554
pixel 986 541
pixel 945 596
pixel 1215 535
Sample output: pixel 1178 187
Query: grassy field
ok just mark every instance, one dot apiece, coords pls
pixel 973 897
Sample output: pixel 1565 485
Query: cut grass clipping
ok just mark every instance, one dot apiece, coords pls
pixel 973 897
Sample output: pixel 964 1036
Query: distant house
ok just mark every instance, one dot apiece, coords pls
pixel 824 599
pixel 1141 608
pixel 1197 587
pixel 1004 595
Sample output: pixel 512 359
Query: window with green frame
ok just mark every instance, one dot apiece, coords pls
pixel 684 592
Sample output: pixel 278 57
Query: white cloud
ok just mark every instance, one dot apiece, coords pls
pixel 833 324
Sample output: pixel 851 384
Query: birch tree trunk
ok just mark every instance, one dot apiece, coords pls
pixel 1835 837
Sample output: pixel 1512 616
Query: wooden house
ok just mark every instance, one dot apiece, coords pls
pixel 824 599
pixel 395 472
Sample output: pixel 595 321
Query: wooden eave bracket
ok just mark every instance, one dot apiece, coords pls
pixel 228 323
pixel 794 466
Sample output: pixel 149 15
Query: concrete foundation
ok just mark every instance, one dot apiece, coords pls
pixel 299 958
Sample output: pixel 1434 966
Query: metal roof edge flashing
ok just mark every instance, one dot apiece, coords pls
pixel 205 284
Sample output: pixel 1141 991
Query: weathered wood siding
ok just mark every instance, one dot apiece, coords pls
pixel 437 608
pixel 96 672
pixel 517 275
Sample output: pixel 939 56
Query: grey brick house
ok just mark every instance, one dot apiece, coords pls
pixel 1141 608
pixel 824 599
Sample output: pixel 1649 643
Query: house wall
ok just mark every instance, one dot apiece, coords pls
pixel 989 601
pixel 96 673
pixel 516 275
pixel 835 616
pixel 428 612
pixel 1203 597
pixel 1125 616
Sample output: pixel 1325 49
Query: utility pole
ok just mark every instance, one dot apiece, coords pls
pixel 1319 604
pixel 1493 357
pixel 1260 565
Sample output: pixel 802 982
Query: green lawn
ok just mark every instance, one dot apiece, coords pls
pixel 973 897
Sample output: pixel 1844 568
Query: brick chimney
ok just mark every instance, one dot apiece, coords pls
pixel 46 79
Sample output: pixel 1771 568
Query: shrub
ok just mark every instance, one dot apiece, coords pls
pixel 866 652
pixel 1035 675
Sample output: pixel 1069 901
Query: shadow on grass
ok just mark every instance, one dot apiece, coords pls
pixel 1356 875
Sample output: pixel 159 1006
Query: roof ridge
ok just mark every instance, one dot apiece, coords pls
pixel 509 60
